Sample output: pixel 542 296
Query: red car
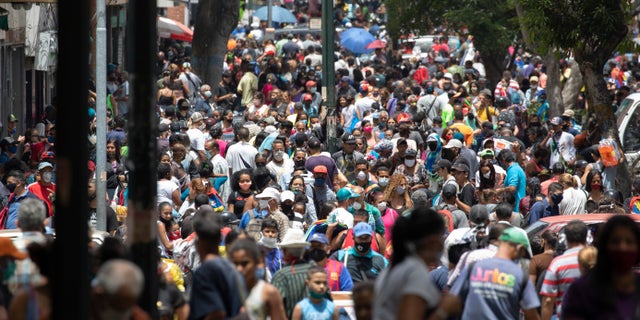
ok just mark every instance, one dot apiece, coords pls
pixel 557 223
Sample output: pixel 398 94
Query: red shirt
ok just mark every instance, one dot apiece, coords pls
pixel 46 193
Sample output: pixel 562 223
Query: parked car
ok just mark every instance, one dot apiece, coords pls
pixel 424 43
pixel 557 223
pixel 628 121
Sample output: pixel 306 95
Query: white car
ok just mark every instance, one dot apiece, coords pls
pixel 628 122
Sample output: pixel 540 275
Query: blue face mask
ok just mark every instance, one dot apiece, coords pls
pixel 51 139
pixel 315 295
pixel 319 182
pixel 13 149
pixel 259 273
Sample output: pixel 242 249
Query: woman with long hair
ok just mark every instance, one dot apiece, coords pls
pixel 611 289
pixel 115 166
pixel 406 290
pixel 397 194
pixel 241 198
pixel 487 176
pixel 593 185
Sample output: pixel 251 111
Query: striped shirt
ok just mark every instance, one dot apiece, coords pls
pixel 290 281
pixel 562 271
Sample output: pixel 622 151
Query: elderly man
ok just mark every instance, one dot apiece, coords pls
pixel 115 292
pixel 203 103
pixel 268 206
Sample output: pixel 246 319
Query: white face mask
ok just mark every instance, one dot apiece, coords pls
pixel 361 176
pixel 268 242
pixel 47 176
pixel 534 87
pixel 486 175
pixel 409 162
pixel 357 206
pixel 382 206
pixel 317 126
pixel 400 190
pixel 383 182
pixel 263 203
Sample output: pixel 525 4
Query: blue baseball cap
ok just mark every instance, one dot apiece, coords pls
pixel 362 229
pixel 319 237
pixel 346 193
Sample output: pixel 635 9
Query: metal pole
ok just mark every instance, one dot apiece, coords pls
pixel 269 14
pixel 101 115
pixel 328 73
pixel 142 35
pixel 70 287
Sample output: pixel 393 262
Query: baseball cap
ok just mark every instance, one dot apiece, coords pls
pixel 513 235
pixel 453 143
pixel 269 120
pixel 556 121
pixel 163 127
pixel 443 163
pixel 345 79
pixel 307 97
pixel 458 136
pixel 196 116
pixel 287 195
pixel 401 142
pixel 448 76
pixel 319 237
pixel 346 193
pixel 310 83
pixel 269 193
pixel 12 118
pixel 186 65
pixel 569 113
pixel 320 169
pixel 362 229
pixel 410 153
pixel 479 215
pixel 8 249
pixel 348 139
pixel 486 153
pixel 534 79
pixel 460 167
pixel 44 164
pixel 449 190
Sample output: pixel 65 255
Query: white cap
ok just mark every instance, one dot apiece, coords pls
pixel 269 193
pixel 287 195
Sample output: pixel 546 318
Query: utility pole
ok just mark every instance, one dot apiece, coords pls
pixel 101 115
pixel 269 14
pixel 142 46
pixel 70 290
pixel 328 73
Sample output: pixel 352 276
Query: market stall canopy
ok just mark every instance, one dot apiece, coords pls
pixel 172 29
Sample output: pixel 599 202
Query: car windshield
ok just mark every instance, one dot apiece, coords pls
pixel 536 227
pixel 623 109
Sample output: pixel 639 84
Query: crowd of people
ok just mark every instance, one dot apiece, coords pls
pixel 418 211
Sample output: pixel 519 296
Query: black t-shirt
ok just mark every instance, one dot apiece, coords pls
pixel 112 219
pixel 467 194
pixel 238 199
pixel 169 299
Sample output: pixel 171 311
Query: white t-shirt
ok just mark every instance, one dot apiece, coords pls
pixel 341 216
pixel 410 277
pixel 563 145
pixel 197 139
pixel 240 153
pixel 165 189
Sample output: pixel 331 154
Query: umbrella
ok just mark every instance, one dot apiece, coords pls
pixel 377 44
pixel 278 14
pixel 356 40
pixel 168 28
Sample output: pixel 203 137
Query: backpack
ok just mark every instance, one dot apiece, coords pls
pixel 254 227
pixel 514 96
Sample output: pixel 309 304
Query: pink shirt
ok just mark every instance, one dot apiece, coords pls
pixel 388 220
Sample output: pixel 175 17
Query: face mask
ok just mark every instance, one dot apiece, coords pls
pixel 361 176
pixel 13 149
pixel 317 254
pixel 383 182
pixel 433 146
pixel 261 165
pixel 46 177
pixel 299 163
pixel 556 198
pixel 315 295
pixel 318 182
pixel 368 129
pixel 51 139
pixel 391 127
pixel 278 155
pixel 207 94
pixel 409 162
pixel 263 203
pixel 313 90
pixel 534 87
pixel 400 190
pixel 286 208
pixel 363 246
pixel 596 186
pixel 487 175
pixel 245 185
pixel 382 206
pixel 356 206
pixel 623 260
pixel 268 242
pixel 317 126
pixel 202 127
pixel 11 187
pixel 14 130
pixel 259 273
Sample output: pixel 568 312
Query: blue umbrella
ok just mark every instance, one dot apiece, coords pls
pixel 356 40
pixel 278 14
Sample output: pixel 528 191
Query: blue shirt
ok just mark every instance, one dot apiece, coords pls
pixel 14 204
pixel 517 178
pixel 537 210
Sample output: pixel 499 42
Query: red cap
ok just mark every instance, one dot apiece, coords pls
pixel 307 97
pixel 320 169
pixel 311 83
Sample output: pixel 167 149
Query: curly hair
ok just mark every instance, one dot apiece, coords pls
pixel 394 181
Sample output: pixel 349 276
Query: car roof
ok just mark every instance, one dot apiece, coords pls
pixel 587 217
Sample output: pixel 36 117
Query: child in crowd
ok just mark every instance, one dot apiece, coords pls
pixel 316 306
pixel 269 245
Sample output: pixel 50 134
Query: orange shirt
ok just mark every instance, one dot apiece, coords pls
pixel 466 131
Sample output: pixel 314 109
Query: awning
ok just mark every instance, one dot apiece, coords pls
pixel 168 28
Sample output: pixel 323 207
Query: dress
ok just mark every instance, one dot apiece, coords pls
pixel 256 308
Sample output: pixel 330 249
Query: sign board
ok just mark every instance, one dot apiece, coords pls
pixel 315 23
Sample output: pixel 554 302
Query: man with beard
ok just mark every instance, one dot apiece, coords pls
pixel 112 219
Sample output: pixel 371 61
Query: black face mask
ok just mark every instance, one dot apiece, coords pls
pixel 448 154
pixel 299 163
pixel 433 146
pixel 363 246
pixel 11 187
pixel 317 255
